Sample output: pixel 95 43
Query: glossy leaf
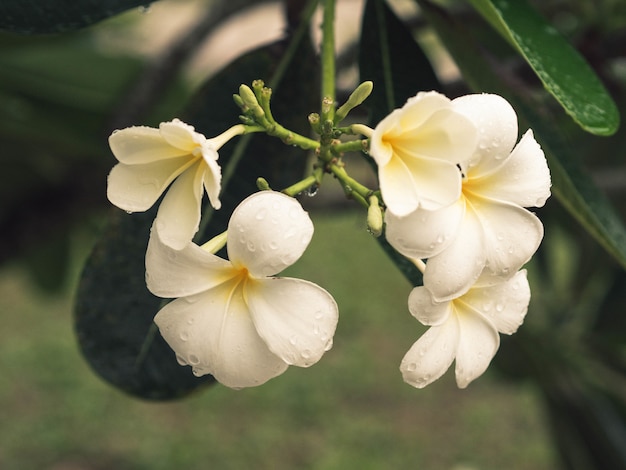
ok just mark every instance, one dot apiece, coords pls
pixel 54 16
pixel 563 71
pixel 571 184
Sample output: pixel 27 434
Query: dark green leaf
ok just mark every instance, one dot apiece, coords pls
pixel 560 67
pixel 390 57
pixel 571 184
pixel 54 16
pixel 114 310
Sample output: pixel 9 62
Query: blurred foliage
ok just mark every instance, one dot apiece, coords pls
pixel 61 95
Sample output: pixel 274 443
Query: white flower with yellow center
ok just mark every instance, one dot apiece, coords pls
pixel 152 159
pixel 417 148
pixel 464 330
pixel 487 228
pixel 232 318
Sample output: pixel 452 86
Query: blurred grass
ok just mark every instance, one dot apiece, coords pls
pixel 351 410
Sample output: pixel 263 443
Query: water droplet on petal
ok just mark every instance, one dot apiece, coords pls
pixel 184 336
pixel 194 360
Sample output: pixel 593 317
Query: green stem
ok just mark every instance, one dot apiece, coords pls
pixel 351 146
pixel 216 243
pixel 328 61
pixel 292 138
pixel 301 186
pixel 350 185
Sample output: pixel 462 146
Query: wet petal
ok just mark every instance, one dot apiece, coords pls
pixel 431 355
pixel 180 135
pixel 178 273
pixel 212 179
pixel 478 343
pixel 135 188
pixel 452 272
pixel 296 319
pixel 214 334
pixel 178 217
pixel 511 235
pixel 268 232
pixel 425 309
pixel 423 233
pixel 524 179
pixel 496 122
pixel 140 144
pixel 505 304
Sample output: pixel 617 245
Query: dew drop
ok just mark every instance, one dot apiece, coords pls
pixel 306 354
pixel 261 214
pixel 194 360
pixel 184 336
pixel 251 246
pixel 499 307
pixel 411 367
pixel 181 360
pixel 312 191
pixel 293 340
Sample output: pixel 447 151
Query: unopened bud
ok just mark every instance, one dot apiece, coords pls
pixel 249 99
pixel 356 98
pixel 374 217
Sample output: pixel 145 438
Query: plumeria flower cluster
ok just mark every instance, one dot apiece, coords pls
pixel 456 186
pixel 231 318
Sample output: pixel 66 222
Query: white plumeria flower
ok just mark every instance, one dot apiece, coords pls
pixel 487 228
pixel 151 159
pixel 417 148
pixel 464 329
pixel 232 319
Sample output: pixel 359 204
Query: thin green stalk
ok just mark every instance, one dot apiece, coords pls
pixel 328 62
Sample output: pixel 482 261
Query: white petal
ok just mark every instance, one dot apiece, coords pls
pixel 505 304
pixel 181 135
pixel 524 179
pixel 408 182
pixel 140 144
pixel 496 122
pixel 431 355
pixel 511 235
pixel 478 343
pixel 296 319
pixel 445 135
pixel 423 233
pixel 178 217
pixel 214 334
pixel 212 179
pixel 135 188
pixel 268 232
pixel 425 309
pixel 178 273
pixel 420 108
pixel 452 272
